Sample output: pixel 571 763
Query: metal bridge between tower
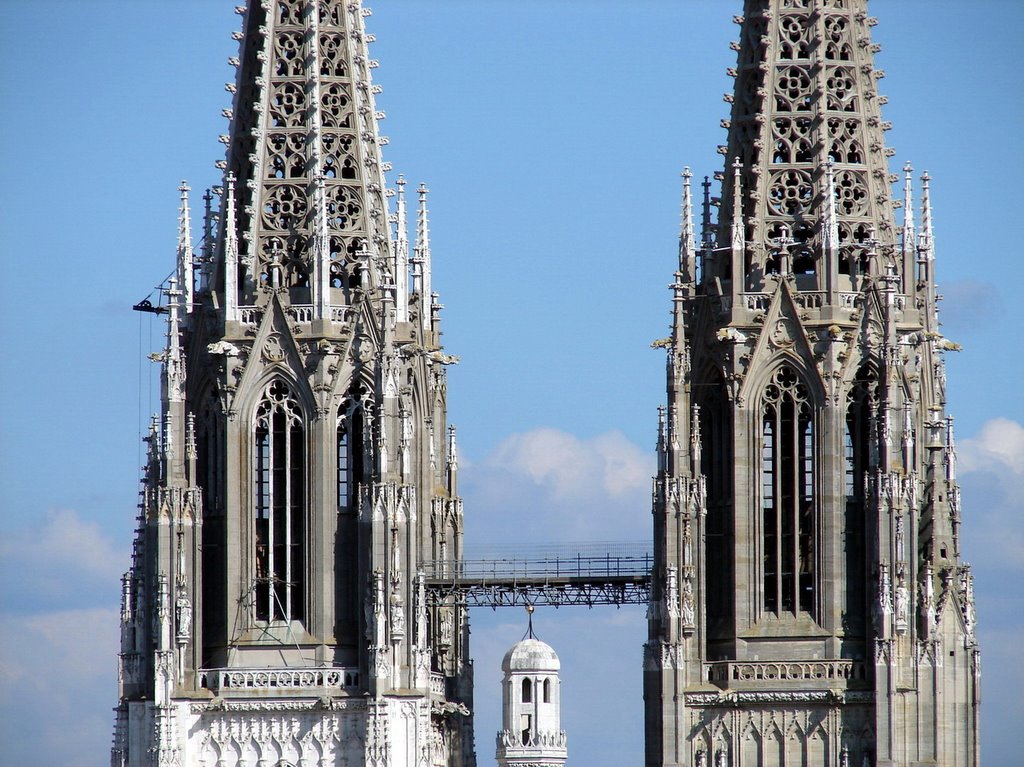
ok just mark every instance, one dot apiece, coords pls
pixel 572 574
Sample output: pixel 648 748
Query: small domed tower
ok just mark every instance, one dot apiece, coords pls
pixel 531 731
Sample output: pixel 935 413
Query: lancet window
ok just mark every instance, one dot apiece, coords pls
pixel 210 444
pixel 787 490
pixel 857 457
pixel 348 475
pixel 210 453
pixel 349 452
pixel 717 462
pixel 279 483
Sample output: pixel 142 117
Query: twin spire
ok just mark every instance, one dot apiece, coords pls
pixel 304 211
pixel 806 190
pixel 304 205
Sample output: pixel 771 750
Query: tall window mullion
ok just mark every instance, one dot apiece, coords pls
pixel 350 452
pixel 296 523
pixel 280 508
pixel 344 468
pixel 857 451
pixel 787 485
pixel 848 460
pixel 717 418
pixel 263 514
pixel 770 554
pixel 279 529
pixel 805 512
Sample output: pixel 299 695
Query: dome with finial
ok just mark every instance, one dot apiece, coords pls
pixel 530 654
pixel 531 732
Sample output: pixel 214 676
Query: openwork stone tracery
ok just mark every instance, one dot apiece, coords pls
pixel 805 92
pixel 308 111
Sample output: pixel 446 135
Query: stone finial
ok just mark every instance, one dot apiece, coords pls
pixel 230 239
pixel 738 227
pixel 206 267
pixel 401 254
pixel 453 453
pixel 908 209
pixel 322 249
pixel 422 259
pixel 687 243
pixel 184 270
pixel 926 241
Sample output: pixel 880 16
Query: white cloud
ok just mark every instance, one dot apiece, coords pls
pixel 570 466
pixel 992 479
pixel 1000 441
pixel 546 485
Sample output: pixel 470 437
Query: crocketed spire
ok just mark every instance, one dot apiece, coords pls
pixel 805 98
pixel 305 147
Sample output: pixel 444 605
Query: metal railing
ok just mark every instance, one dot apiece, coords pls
pixel 564 574
pixel 546 561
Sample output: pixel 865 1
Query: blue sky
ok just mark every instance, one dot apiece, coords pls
pixel 551 135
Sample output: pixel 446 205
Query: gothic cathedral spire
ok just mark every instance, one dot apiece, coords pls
pixel 302 468
pixel 305 148
pixel 809 605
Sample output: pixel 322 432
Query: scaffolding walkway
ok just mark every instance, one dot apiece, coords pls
pixel 554 575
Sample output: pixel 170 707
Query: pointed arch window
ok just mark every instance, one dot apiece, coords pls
pixel 210 456
pixel 210 446
pixel 345 484
pixel 857 458
pixel 717 463
pixel 279 483
pixel 787 491
pixel 856 441
pixel 349 453
pixel 348 475
pixel 527 691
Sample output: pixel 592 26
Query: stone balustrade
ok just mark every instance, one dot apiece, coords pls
pixel 757 302
pixel 264 679
pixel 729 673
pixel 549 739
pixel 251 315
pixel 805 299
pixel 301 312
